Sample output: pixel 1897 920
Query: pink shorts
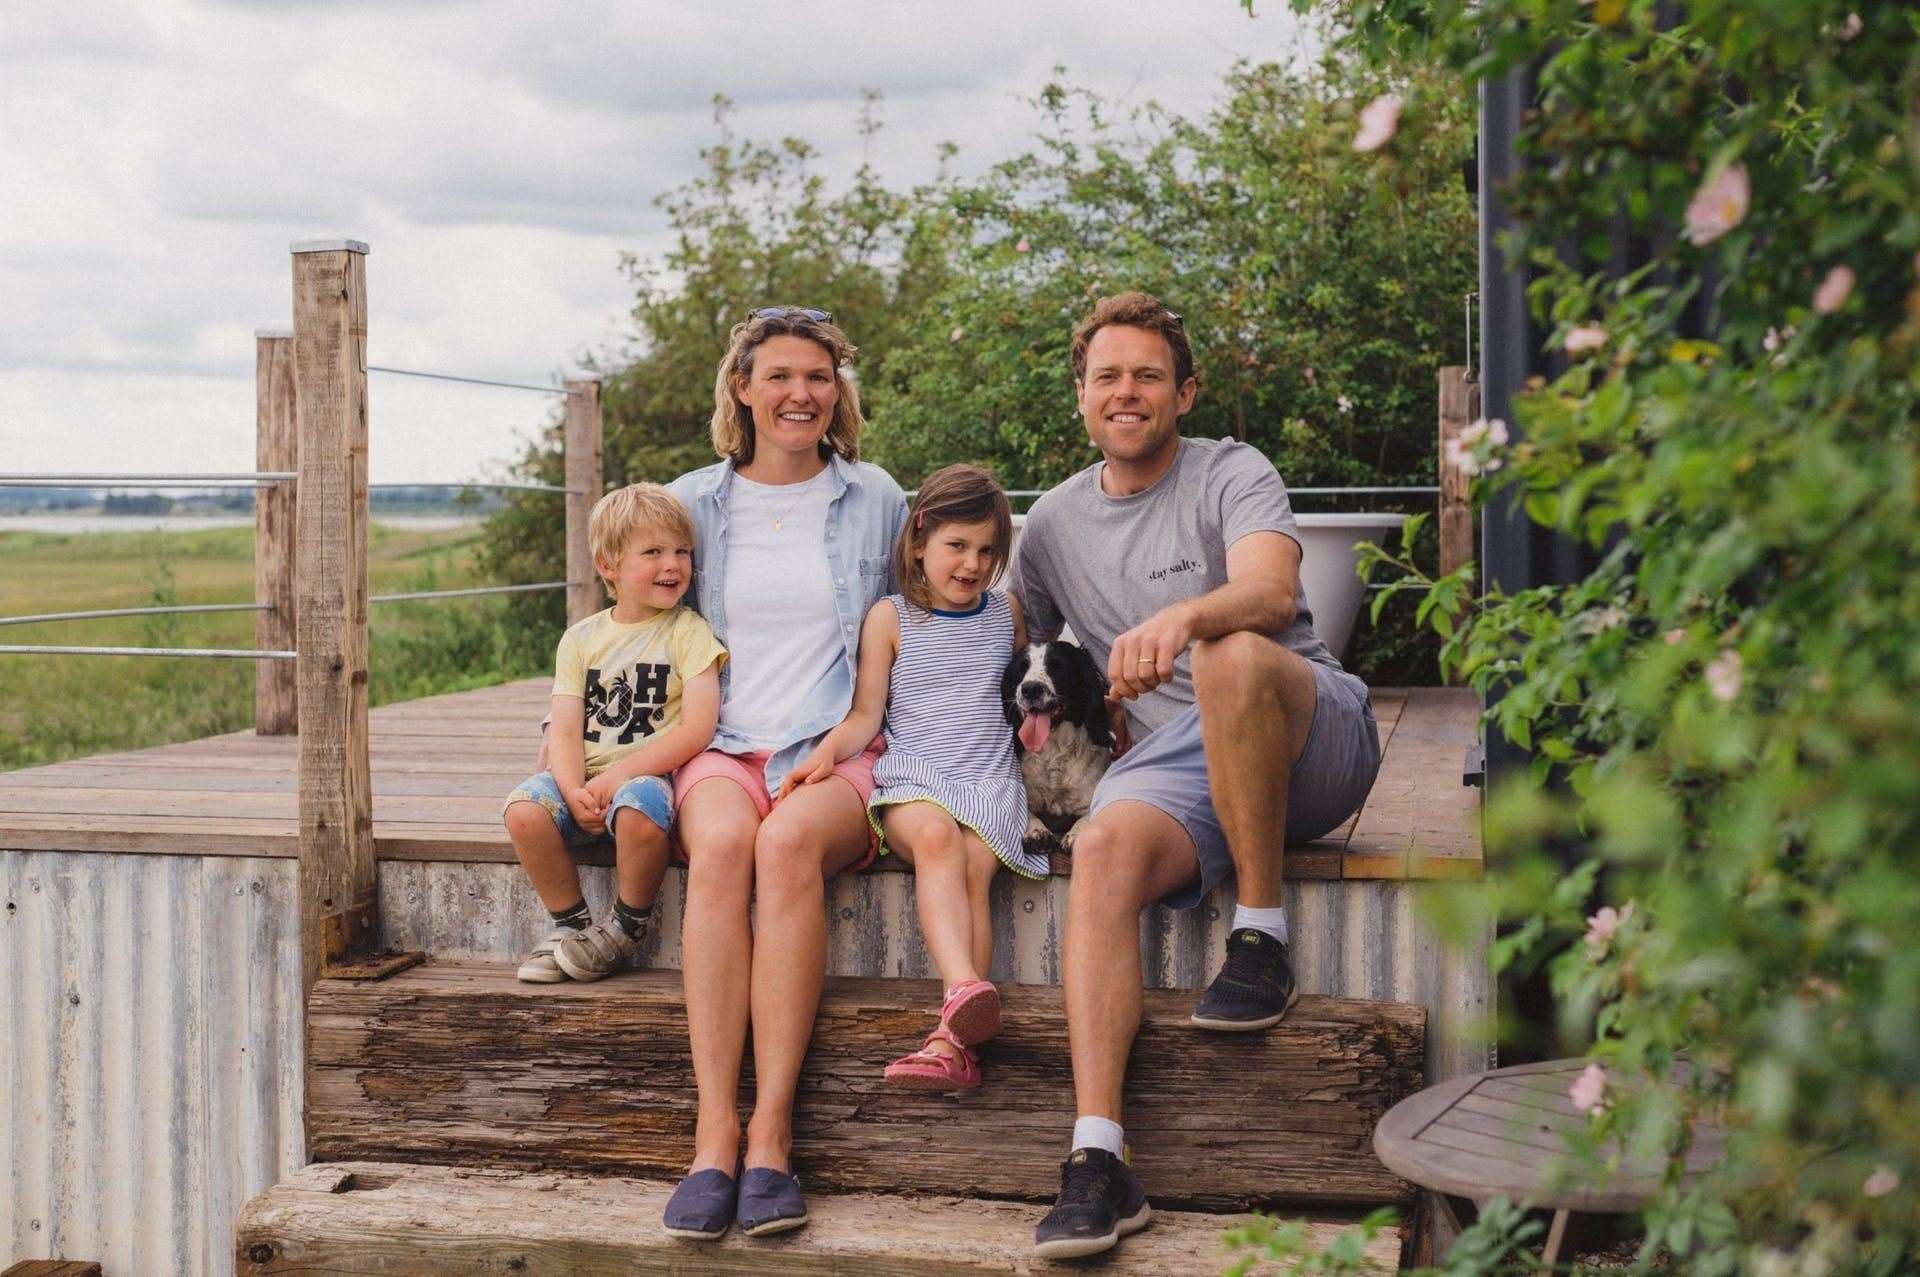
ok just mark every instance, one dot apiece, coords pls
pixel 749 771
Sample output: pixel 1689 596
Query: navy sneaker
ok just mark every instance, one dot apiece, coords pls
pixel 702 1206
pixel 1255 987
pixel 1100 1202
pixel 770 1202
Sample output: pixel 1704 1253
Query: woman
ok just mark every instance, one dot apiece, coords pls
pixel 793 542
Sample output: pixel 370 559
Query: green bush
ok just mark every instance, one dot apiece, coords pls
pixel 1321 297
pixel 1725 713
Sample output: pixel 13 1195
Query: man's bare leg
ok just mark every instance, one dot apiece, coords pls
pixel 1256 707
pixel 1126 858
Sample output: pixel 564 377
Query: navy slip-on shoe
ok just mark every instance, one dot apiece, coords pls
pixel 702 1206
pixel 770 1202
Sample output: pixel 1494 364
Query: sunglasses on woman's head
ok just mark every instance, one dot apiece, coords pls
pixel 788 312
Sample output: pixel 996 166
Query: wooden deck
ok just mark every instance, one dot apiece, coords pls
pixel 442 765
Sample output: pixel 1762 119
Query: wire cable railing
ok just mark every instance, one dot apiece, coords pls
pixel 102 614
pixel 251 478
pixel 230 653
pixel 470 381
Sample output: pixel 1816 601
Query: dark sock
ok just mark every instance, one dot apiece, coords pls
pixel 576 917
pixel 632 921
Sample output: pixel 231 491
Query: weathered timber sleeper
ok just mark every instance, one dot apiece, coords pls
pixel 461 1064
pixel 432 1221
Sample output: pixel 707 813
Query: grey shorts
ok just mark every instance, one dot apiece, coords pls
pixel 1168 770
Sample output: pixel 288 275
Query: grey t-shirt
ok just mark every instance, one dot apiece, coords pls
pixel 1104 564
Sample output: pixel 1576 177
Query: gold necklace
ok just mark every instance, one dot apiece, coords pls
pixel 784 515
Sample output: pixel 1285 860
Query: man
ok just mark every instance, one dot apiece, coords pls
pixel 1176 561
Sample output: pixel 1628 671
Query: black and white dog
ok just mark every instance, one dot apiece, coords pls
pixel 1055 698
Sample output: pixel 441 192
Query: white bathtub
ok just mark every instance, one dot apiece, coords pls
pixel 1326 567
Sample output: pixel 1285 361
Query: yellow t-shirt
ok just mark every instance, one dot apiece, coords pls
pixel 630 676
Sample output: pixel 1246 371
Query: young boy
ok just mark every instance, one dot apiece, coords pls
pixel 636 693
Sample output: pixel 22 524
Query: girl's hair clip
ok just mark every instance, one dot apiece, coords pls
pixel 920 520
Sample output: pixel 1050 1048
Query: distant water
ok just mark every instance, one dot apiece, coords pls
pixel 200 522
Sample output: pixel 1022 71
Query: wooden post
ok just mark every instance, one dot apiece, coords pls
pixel 276 447
pixel 1459 406
pixel 583 438
pixel 336 792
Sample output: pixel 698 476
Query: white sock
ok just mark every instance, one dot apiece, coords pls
pixel 1098 1132
pixel 1272 921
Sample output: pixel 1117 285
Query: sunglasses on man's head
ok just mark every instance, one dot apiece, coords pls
pixel 788 312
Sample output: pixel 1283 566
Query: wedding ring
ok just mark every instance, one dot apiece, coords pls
pixel 1146 660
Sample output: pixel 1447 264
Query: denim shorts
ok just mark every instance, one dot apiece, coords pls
pixel 651 796
pixel 1333 776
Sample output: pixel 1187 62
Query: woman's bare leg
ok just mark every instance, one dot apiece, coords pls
pixel 812 835
pixel 717 824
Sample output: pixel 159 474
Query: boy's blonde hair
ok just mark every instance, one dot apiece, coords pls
pixel 732 424
pixel 623 514
pixel 957 494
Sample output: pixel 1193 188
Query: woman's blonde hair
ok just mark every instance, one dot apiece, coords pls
pixel 957 494
pixel 733 421
pixel 623 514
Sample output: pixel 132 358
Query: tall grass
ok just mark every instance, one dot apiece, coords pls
pixel 58 707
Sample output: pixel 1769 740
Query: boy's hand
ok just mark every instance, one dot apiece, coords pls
pixel 815 766
pixel 587 812
pixel 601 790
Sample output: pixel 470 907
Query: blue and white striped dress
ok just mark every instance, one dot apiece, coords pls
pixel 947 740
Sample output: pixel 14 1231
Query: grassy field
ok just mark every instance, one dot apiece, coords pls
pixel 56 707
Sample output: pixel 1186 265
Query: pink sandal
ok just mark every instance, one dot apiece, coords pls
pixel 930 1070
pixel 971 1012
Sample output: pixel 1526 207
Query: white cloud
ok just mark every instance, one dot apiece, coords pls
pixel 498 155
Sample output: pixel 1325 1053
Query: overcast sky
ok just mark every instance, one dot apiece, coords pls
pixel 157 157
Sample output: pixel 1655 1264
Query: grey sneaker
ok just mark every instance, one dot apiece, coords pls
pixel 539 966
pixel 599 950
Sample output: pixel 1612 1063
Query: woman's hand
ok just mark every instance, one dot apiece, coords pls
pixel 815 766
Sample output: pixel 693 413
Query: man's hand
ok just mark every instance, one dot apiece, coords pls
pixel 588 813
pixel 1122 734
pixel 1143 657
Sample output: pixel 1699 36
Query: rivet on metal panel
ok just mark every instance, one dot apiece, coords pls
pixel 1028 906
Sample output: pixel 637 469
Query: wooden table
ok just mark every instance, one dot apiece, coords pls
pixel 1505 1134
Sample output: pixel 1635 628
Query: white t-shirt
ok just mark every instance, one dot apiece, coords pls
pixel 783 633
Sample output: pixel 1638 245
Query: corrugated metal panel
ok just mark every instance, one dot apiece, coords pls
pixel 150 1041
pixel 1352 939
pixel 151 1045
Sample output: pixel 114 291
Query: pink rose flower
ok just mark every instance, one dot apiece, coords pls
pixel 1379 121
pixel 1601 927
pixel 1589 1090
pixel 1719 205
pixel 1724 675
pixel 1834 290
pixel 1586 337
pixel 1023 246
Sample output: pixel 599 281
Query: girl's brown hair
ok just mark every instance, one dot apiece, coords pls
pixel 957 494
pixel 733 421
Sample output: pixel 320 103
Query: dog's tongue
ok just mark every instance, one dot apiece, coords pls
pixel 1034 732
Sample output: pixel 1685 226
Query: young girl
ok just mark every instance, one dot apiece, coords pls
pixel 948 796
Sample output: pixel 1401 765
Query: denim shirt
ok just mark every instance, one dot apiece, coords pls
pixel 863 521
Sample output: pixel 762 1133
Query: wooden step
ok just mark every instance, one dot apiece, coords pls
pixel 430 1221
pixel 461 1064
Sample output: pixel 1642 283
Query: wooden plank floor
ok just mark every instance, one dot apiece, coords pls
pixel 442 765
